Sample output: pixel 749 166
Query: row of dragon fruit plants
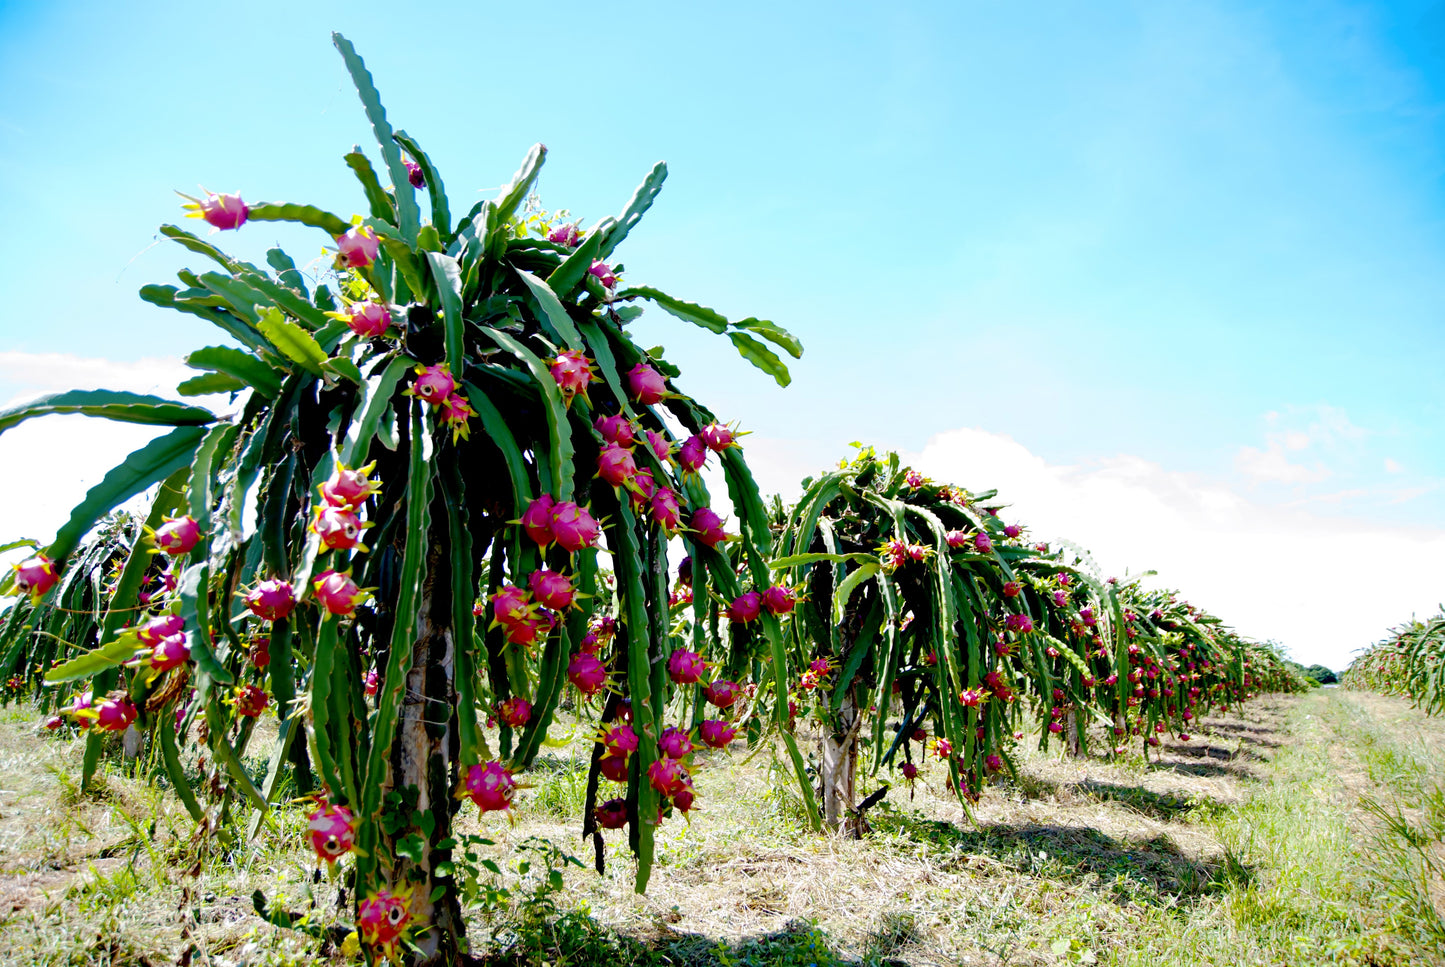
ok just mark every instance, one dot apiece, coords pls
pixel 1410 662
pixel 392 545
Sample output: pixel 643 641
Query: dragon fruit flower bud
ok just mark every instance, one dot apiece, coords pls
pixel 615 465
pixel 674 743
pixel 338 528
pixel 368 319
pixel 565 235
pixel 382 917
pixel 537 521
pixel 1019 622
pixel 667 776
pixel 685 667
pixel 1011 589
pixel 349 489
pixel 641 487
pixel 619 741
pixel 573 528
pixel 779 600
pixel 721 693
pixel 490 786
pixel 414 175
pixel 337 593
pixel 114 715
pixel 457 413
pixel 587 672
pixel 250 700
pixel 666 509
pixel 163 627
pixel 573 372
pixel 178 536
pixel 552 590
pixel 358 248
pixel 660 447
pixel 1012 530
pixel 612 814
pixel 909 770
pixel 646 384
pixel 603 273
pixel 170 653
pixel 717 733
pixel 219 211
pixel 692 455
pixel 332 832
pixel 616 429
pixel 515 712
pixel 708 527
pixel 372 683
pixel 433 383
pixel 717 437
pixel 746 607
pixel 272 600
pixel 982 543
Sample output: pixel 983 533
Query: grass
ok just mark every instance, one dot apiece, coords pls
pixel 1307 831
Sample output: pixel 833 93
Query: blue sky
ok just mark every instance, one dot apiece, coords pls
pixel 1208 237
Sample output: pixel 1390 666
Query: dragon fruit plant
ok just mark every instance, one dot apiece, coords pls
pixel 423 460
pixel 1408 663
pixel 916 603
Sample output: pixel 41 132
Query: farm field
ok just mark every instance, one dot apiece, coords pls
pixel 1306 831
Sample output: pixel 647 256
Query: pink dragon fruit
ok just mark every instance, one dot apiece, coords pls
pixel 674 743
pixel 573 372
pixel 552 590
pixel 613 767
pixel 36 575
pixel 779 600
pixel 684 798
pixel 615 465
pixel 665 508
pixel 982 543
pixel 358 248
pixel 616 429
pixel 619 740
pixel 337 593
pixel 490 786
pixel 972 697
pixel 515 712
pixel 260 653
pixel 604 626
pixel 646 384
pixel 1020 623
pixel 1056 727
pixel 332 831
pixel 368 319
pixel 708 527
pixel 114 714
pixel 433 383
pixel 956 539
pixel 371 683
pixel 685 667
pixel 250 701
pixel 692 455
pixel 339 529
pixel 717 437
pixel 746 608
pixel 456 413
pixel 382 917
pixel 603 273
pixel 722 693
pixel 162 627
pixel 572 527
pixel 587 672
pixel 993 763
pixel 170 653
pixel 909 770
pixel 942 748
pixel 914 479
pixel 661 449
pixel 414 175
pixel 565 235
pixel 220 211
pixel 668 776
pixel 1011 589
pixel 178 535
pixel 1012 530
pixel 612 814
pixel 271 600
pixel 641 488
pixel 717 733
pixel 511 605
pixel 535 627
pixel 1088 617
pixel 537 520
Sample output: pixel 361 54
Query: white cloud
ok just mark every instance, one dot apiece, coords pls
pixel 1323 587
pixel 1393 466
pixel 1270 465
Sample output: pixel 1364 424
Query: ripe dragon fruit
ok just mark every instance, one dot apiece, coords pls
pixel 612 814
pixel 993 763
pixel 717 437
pixel 909 770
pixel 572 371
pixel 357 248
pixel 603 273
pixel 587 672
pixel 956 539
pixel 982 543
pixel 745 608
pixel 616 429
pixel 260 653
pixel 573 527
pixel 684 798
pixel 414 175
pixel 368 319
pixel 615 465
pixel 382 917
pixel 565 235
pixel 942 748
pixel 433 383
pixel 490 786
pixel 169 653
pixel 641 488
pixel 1012 530
pixel 114 714
pixel 337 593
pixel 36 575
pixel 779 600
pixel 613 767
pixel 646 384
pixel 271 600
pixel 914 479
pixel 531 629
pixel 162 627
pixel 552 590
pixel 660 447
pixel 721 693
pixel 250 701
pixel 717 733
pixel 972 697
pixel 708 527
pixel 178 535
pixel 515 712
pixel 457 413
pixel 332 831
pixel 220 211
pixel 339 530
pixel 1020 623
pixel 666 509
pixel 511 605
pixel 692 455
pixel 674 743
pixel 537 520
pixel 668 776
pixel 685 667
